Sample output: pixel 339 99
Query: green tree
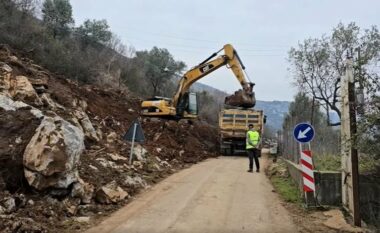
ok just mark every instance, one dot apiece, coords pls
pixel 95 31
pixel 26 6
pixel 58 16
pixel 159 68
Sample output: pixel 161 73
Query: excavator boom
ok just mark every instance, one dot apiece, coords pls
pixel 179 106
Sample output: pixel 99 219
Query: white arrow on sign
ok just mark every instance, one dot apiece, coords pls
pixel 302 134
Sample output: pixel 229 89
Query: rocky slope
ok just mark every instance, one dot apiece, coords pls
pixel 63 162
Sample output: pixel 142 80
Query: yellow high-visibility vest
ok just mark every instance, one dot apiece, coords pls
pixel 253 137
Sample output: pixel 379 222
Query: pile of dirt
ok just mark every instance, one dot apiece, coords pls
pixel 103 116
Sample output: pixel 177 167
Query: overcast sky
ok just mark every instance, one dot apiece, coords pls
pixel 261 31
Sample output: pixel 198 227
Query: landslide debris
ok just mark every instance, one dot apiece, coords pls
pixel 63 162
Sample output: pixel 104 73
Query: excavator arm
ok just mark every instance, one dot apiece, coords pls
pixel 178 105
pixel 233 61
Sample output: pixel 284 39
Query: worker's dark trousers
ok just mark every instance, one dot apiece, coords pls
pixel 253 154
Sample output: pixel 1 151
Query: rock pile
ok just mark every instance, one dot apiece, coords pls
pixel 62 156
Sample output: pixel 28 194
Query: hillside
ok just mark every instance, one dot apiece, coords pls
pixel 275 112
pixel 63 161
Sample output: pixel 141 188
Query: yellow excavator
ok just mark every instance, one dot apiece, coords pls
pixel 184 104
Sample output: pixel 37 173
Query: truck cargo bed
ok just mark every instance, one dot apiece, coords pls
pixel 233 126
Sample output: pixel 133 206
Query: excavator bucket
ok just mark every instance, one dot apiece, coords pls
pixel 242 99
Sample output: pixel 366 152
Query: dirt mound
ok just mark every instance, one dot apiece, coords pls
pixel 104 116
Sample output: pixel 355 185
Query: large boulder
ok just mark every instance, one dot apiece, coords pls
pixel 52 155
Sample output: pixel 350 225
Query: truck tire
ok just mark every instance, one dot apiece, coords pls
pixel 232 150
pixel 225 149
pixel 228 151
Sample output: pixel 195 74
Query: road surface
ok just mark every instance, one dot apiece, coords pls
pixel 217 195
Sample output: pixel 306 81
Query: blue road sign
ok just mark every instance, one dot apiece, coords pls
pixel 303 132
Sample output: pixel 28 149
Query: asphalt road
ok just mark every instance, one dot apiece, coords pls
pixel 217 195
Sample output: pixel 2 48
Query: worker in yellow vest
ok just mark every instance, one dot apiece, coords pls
pixel 252 147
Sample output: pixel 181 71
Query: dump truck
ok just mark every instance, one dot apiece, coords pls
pixel 233 126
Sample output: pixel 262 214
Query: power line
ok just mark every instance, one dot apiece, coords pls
pixel 191 49
pixel 203 40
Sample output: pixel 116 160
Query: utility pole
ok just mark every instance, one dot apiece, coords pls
pixel 360 91
pixel 350 164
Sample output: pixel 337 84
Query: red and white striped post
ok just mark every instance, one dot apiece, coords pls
pixel 304 134
pixel 307 171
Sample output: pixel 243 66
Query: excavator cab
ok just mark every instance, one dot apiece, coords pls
pixel 193 104
pixel 188 105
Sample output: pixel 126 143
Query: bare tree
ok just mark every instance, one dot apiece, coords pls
pixel 317 64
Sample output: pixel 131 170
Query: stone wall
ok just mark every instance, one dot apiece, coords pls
pixel 328 184
pixel 370 199
pixel 329 191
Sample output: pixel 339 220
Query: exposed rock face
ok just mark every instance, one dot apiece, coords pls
pixel 4 68
pixel 22 89
pixel 46 100
pixel 5 78
pixel 111 193
pixel 52 155
pixel 18 87
pixel 8 104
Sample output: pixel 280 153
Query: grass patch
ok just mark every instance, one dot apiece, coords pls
pixel 327 162
pixel 283 183
pixel 367 164
pixel 286 188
